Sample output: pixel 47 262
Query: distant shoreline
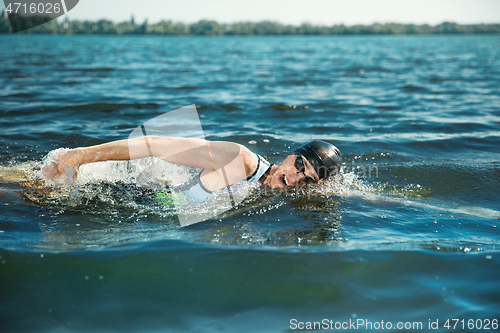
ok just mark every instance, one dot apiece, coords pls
pixel 264 28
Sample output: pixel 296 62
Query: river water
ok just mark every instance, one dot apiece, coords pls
pixel 408 233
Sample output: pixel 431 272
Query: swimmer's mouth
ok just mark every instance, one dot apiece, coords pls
pixel 283 180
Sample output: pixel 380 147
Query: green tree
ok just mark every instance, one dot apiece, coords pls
pixel 205 27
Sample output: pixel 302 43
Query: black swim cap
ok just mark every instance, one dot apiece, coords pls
pixel 325 158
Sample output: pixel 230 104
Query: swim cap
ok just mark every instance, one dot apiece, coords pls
pixel 325 158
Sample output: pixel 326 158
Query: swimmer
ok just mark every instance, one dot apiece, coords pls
pixel 223 163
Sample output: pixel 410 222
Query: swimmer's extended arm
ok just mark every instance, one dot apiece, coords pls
pixel 184 151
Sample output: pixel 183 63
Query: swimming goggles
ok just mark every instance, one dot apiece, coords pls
pixel 299 165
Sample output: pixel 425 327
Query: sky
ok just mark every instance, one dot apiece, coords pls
pixel 318 12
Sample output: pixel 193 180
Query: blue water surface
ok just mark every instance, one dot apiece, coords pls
pixel 407 233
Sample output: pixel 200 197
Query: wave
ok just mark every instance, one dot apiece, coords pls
pixel 110 203
pixel 129 183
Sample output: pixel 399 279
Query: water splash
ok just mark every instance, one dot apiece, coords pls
pixel 349 184
pixel 114 185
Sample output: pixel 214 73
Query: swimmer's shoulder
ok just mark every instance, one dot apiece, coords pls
pixel 250 159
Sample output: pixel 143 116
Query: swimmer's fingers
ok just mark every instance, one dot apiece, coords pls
pixel 64 167
pixel 59 173
pixel 52 170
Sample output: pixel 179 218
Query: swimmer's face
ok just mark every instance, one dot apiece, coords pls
pixel 293 171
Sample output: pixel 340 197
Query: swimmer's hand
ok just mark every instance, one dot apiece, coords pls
pixel 66 163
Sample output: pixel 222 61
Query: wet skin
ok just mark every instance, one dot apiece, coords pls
pixel 286 174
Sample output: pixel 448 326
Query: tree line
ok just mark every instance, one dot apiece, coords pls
pixel 213 28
